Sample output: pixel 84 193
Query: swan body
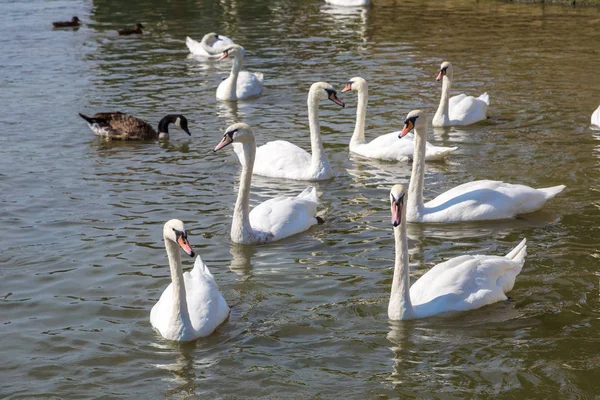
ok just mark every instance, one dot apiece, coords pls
pixel 192 305
pixel 211 45
pixel 384 147
pixel 240 84
pixel 282 159
pixel 348 3
pixel 462 283
pixel 460 109
pixel 274 219
pixel 472 201
pixel 596 117
pixel 119 126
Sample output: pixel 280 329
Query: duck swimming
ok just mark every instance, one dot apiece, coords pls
pixel 67 24
pixel 129 31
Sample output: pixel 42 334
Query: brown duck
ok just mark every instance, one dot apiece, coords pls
pixel 119 126
pixel 137 29
pixel 67 24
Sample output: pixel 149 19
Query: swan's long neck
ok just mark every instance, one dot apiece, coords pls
pixel 236 67
pixel 358 137
pixel 400 306
pixel 319 160
pixel 441 116
pixel 241 230
pixel 415 189
pixel 180 317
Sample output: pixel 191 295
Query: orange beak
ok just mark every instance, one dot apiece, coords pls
pixel 223 56
pixel 185 246
pixel 347 88
pixel 407 128
pixel 440 75
pixel 224 142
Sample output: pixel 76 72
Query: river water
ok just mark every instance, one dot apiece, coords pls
pixel 81 253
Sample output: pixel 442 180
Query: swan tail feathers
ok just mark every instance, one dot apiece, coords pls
pixel 519 252
pixel 260 76
pixel 485 97
pixel 200 267
pixel 550 192
pixel 310 193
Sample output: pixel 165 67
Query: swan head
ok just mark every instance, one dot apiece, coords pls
pixel 210 38
pixel 234 51
pixel 397 201
pixel 445 69
pixel 356 84
pixel 415 118
pixel 324 91
pixel 174 230
pixel 238 133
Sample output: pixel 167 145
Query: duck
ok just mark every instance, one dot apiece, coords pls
pixel 67 24
pixel 130 31
pixel 384 147
pixel 473 201
pixel 282 159
pixel 212 44
pixel 462 283
pixel 348 3
pixel 461 109
pixel 191 306
pixel 274 219
pixel 240 84
pixel 596 117
pixel 119 126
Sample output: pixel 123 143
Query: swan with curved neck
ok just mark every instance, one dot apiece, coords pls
pixel 273 219
pixel 240 84
pixel 191 306
pixel 459 284
pixel 282 159
pixel 472 201
pixel 211 45
pixel 384 147
pixel 460 109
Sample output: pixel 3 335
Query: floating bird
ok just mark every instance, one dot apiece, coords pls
pixel 211 45
pixel 119 126
pixel 240 84
pixel 67 24
pixel 129 31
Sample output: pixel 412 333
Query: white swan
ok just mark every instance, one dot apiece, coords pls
pixel 282 159
pixel 384 147
pixel 596 117
pixel 274 219
pixel 348 3
pixel 460 109
pixel 459 284
pixel 191 306
pixel 473 201
pixel 211 45
pixel 240 84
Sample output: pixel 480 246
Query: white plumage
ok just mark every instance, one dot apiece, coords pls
pixel 596 117
pixel 240 84
pixel 211 45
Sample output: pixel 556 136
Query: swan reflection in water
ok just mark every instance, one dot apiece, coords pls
pixel 241 259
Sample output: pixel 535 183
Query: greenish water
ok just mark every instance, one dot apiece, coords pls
pixel 81 253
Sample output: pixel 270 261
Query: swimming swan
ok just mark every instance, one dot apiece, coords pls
pixel 459 284
pixel 460 109
pixel 240 84
pixel 274 219
pixel 211 45
pixel 191 306
pixel 472 201
pixel 282 159
pixel 384 147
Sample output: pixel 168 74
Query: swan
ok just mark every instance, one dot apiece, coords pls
pixel 596 117
pixel 119 126
pixel 211 45
pixel 282 159
pixel 191 306
pixel 460 109
pixel 459 284
pixel 384 147
pixel 348 3
pixel 273 219
pixel 240 84
pixel 472 201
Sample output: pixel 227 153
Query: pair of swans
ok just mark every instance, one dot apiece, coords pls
pixel 192 305
pixel 384 147
pixel 459 284
pixel 472 201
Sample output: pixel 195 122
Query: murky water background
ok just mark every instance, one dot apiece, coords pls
pixel 82 259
